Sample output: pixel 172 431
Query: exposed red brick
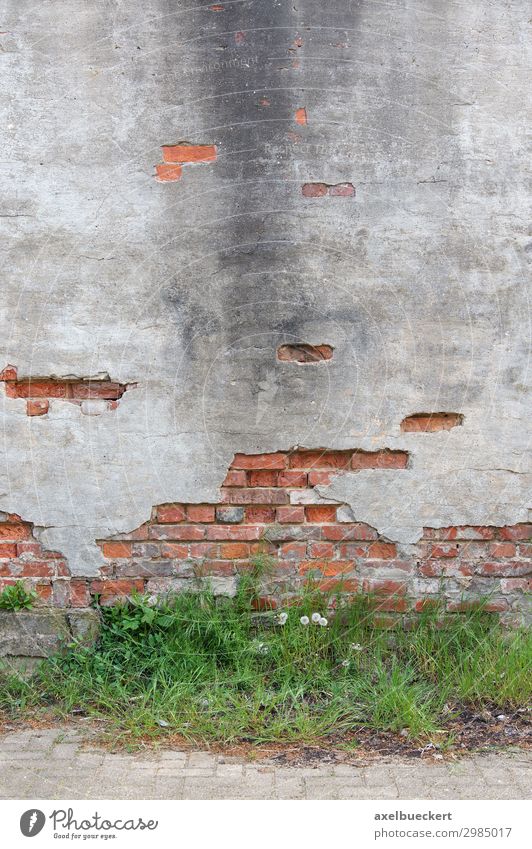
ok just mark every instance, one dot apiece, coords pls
pixel 444 551
pixel 235 477
pixel 234 532
pixel 516 532
pixel 9 373
pixel 342 190
pixel 502 549
pixel 177 532
pixel 186 153
pixel 14 531
pixel 314 190
pixel 116 549
pixel 379 460
pixel 495 606
pixel 346 585
pixel 255 496
pixel 37 408
pixel 217 7
pixel 8 549
pixel 320 513
pixel 382 550
pixel 384 586
pixel 321 478
pixel 510 585
pixel 202 549
pixel 320 549
pixel 79 593
pixel 320 459
pixel 260 514
pixel 110 588
pixel 290 515
pixel 234 550
pixel 168 173
pixel 508 569
pixel 292 479
pixel 264 603
pixel 37 388
pixel 200 512
pixel 301 116
pixel 262 477
pixel 171 513
pixel 259 461
pixel 344 532
pixel 293 550
pixel 430 422
pixel 304 353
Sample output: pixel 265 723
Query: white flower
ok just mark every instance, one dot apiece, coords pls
pixel 345 663
pixel 356 647
pixel 282 618
pixel 316 617
pixel 304 620
pixel 323 621
pixel 263 648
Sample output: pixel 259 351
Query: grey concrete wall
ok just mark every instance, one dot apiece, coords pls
pixel 188 287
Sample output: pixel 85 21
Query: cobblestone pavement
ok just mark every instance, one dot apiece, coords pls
pixel 59 763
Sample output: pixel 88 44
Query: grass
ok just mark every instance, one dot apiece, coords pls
pixel 211 670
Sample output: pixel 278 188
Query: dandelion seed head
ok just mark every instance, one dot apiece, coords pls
pixel 323 621
pixel 304 620
pixel 316 617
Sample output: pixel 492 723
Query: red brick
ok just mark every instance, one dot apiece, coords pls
pixel 320 513
pixel 116 549
pixel 516 532
pixel 200 513
pixel 314 190
pixel 255 496
pixel 264 603
pixel 293 550
pixel 246 533
pixel 495 606
pixel 399 605
pixel 292 479
pixel 305 353
pixel 348 585
pixel 426 604
pixel 171 513
pixel 103 389
pixel 168 173
pixel 121 587
pixel 260 514
pixel 14 531
pixel 235 477
pixel 9 373
pixel 177 532
pixel 430 422
pixel 37 408
pixel 234 550
pixel 29 388
pixel 204 549
pixel 382 550
pixel 79 594
pixel 508 569
pixel 320 459
pixel 444 551
pixel 44 591
pixel 342 190
pixel 218 567
pixel 510 585
pixel 321 478
pixel 290 515
pixel 384 586
pixel 7 550
pixel 263 477
pixel 61 568
pixel 175 550
pixel 36 569
pixel 259 461
pixel 379 460
pixel 502 549
pixel 345 532
pixel 301 116
pixel 348 550
pixel 321 549
pixel 525 550
pixel 184 153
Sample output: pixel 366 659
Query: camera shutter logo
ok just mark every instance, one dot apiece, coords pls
pixel 32 822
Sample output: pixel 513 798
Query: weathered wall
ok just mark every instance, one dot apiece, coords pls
pixel 366 192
